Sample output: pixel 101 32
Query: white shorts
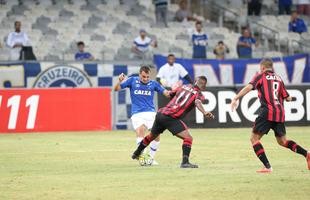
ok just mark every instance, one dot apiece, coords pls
pixel 143 118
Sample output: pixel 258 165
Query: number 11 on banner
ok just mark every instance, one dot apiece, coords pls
pixel 14 103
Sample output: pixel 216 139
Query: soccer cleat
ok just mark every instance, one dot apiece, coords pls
pixel 308 160
pixel 188 165
pixel 135 156
pixel 154 162
pixel 265 170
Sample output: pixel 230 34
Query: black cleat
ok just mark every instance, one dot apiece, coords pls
pixel 188 165
pixel 135 156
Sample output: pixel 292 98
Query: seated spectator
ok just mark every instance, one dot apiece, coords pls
pixel 141 45
pixel 254 7
pixel 170 73
pixel 81 54
pixel 16 40
pixel 184 13
pixel 200 42
pixel 285 7
pixel 244 45
pixel 303 7
pixel 221 50
pixel 296 24
pixel 161 10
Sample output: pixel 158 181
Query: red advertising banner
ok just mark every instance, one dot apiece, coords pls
pixel 36 110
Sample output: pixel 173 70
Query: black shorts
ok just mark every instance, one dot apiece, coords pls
pixel 163 122
pixel 263 125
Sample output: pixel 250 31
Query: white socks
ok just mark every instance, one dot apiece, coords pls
pixel 153 148
pixel 139 140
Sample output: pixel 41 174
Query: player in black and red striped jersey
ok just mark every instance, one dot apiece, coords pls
pixel 272 93
pixel 184 99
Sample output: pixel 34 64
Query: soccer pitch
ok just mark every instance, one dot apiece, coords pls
pixel 97 165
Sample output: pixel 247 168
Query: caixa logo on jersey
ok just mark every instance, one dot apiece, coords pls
pixel 62 76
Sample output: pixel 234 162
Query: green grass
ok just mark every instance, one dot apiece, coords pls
pixel 97 165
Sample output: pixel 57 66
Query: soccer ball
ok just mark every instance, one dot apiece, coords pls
pixel 145 160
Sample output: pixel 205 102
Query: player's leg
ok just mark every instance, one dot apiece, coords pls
pixel 186 149
pixel 178 128
pixel 144 143
pixel 280 134
pixel 156 130
pixel 140 130
pixel 154 145
pixel 140 124
pixel 261 127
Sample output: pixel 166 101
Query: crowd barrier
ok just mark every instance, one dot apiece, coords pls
pixel 295 70
pixel 292 69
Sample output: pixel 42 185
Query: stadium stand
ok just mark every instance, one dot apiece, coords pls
pixel 109 26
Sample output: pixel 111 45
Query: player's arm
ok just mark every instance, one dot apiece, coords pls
pixel 184 74
pixel 160 89
pixel 167 93
pixel 208 115
pixel 9 41
pixel 188 78
pixel 159 77
pixel 289 98
pixel 284 93
pixel 121 77
pixel 240 43
pixel 243 92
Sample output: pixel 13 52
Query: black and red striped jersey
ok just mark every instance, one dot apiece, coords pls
pixel 183 101
pixel 271 92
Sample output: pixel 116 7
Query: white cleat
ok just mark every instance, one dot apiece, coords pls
pixel 154 163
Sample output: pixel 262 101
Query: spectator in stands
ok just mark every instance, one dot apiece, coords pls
pixel 161 9
pixel 303 7
pixel 285 7
pixel 16 40
pixel 184 13
pixel 244 45
pixel 254 7
pixel 200 42
pixel 141 45
pixel 296 24
pixel 81 54
pixel 170 73
pixel 221 50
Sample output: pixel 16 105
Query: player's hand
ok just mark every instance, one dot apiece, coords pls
pixel 121 77
pixel 209 115
pixel 289 98
pixel 234 104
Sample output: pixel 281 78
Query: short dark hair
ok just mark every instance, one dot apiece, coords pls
pixel 198 22
pixel 203 78
pixel 171 54
pixel 80 43
pixel 144 68
pixel 294 11
pixel 16 22
pixel 267 62
pixel 220 42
